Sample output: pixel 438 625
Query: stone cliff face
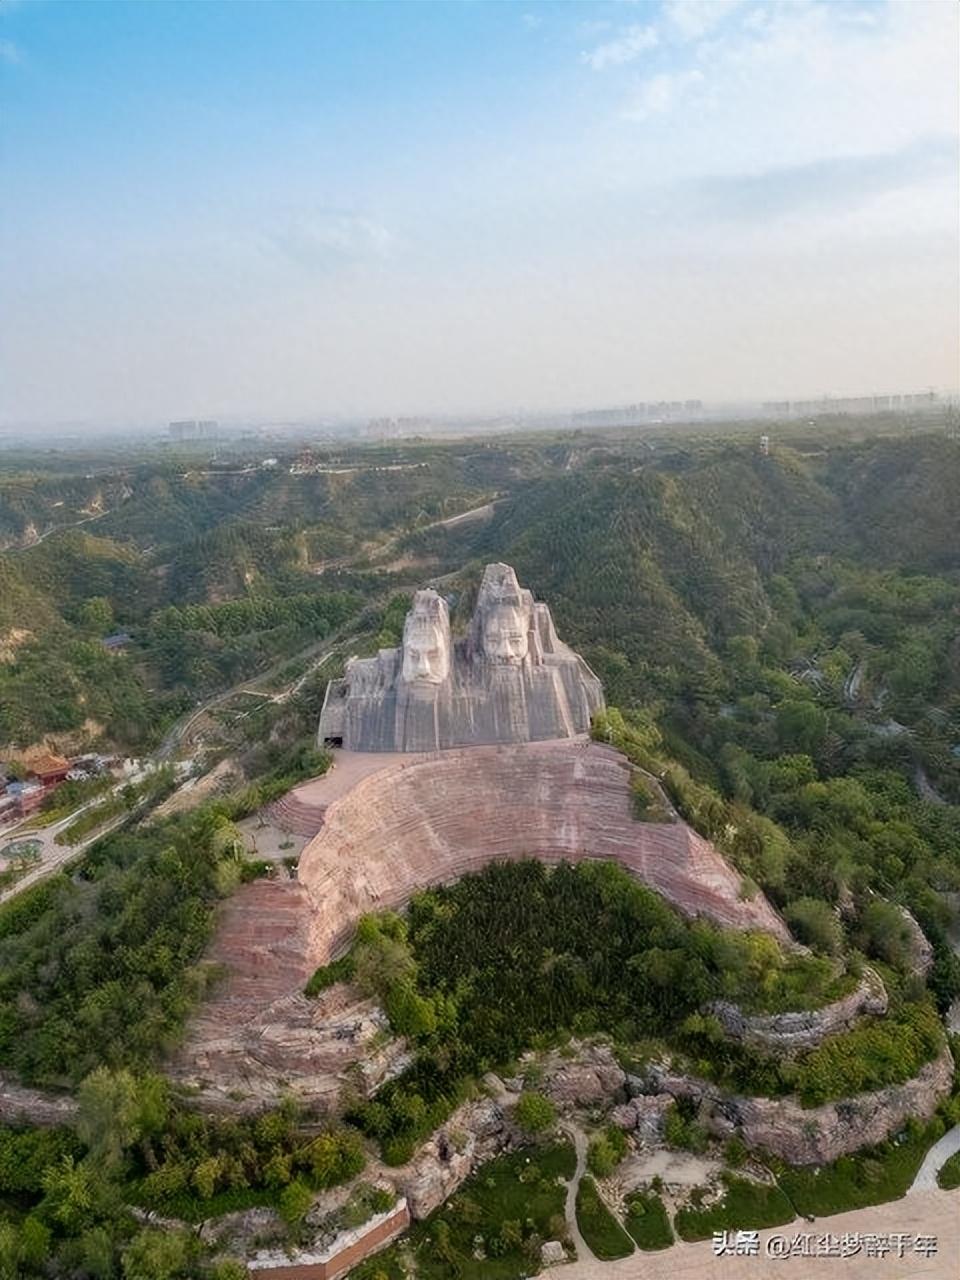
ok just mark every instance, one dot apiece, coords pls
pixel 475 1133
pixel 432 820
pixel 256 1035
pixel 791 1032
pixel 814 1135
pixel 411 823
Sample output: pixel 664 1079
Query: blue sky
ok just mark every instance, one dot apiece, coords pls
pixel 273 209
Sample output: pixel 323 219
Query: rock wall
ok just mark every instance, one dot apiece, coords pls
pixel 434 819
pixel 588 1075
pixel 256 1035
pixel 475 1133
pixel 814 1135
pixel 408 823
pixel 794 1031
pixel 22 1106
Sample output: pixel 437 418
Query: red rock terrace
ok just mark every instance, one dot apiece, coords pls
pixel 414 822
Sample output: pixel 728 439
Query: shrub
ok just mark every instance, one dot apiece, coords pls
pixel 815 922
pixel 949 1176
pixel 606 1151
pixel 534 1112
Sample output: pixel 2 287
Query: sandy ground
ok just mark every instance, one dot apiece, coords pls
pixel 347 770
pixel 921 1213
pixel 672 1166
pixel 268 841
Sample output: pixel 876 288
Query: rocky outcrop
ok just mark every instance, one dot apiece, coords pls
pixel 591 1076
pixel 643 1116
pixel 475 1133
pixel 814 1135
pixel 921 952
pixel 256 1035
pixel 387 833
pixel 21 1106
pixel 796 1030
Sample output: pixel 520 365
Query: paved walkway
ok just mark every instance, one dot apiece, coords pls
pixel 936 1157
pixel 921 1213
pixel 580 1146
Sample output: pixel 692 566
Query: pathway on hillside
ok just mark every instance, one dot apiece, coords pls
pixel 59 528
pixel 935 1159
pixel 580 1146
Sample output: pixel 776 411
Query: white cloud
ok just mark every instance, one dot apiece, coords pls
pixel 10 53
pixel 532 21
pixel 627 46
pixel 661 93
pixel 792 83
pixel 692 19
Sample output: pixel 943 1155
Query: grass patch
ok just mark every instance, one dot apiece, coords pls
pixel 744 1205
pixel 507 1208
pixel 949 1175
pixel 191 1208
pixel 337 971
pixel 382 1266
pixel 871 1176
pixel 648 1222
pixel 602 1232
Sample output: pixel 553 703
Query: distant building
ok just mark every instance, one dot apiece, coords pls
pixel 193 429
pixel 49 770
pixel 765 445
pixel 851 405
pixel 27 797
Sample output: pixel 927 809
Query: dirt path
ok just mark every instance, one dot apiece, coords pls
pixel 580 1146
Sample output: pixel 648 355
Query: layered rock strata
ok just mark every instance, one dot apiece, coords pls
pixel 406 824
pixel 811 1135
pixel 475 1133
pixel 796 1030
pixel 256 1034
pixel 431 821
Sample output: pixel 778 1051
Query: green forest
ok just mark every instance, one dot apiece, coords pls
pixel 779 641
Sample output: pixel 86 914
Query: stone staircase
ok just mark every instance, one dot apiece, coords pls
pixel 299 817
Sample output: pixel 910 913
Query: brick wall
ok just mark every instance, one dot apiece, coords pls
pixel 379 1235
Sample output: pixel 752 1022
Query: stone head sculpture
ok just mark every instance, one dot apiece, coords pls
pixel 501 617
pixel 426 640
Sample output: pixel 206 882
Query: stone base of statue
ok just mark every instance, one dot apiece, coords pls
pixel 509 680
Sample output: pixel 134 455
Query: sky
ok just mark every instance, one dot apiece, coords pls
pixel 274 211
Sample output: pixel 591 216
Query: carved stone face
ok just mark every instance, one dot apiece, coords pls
pixel 504 633
pixel 503 618
pixel 426 641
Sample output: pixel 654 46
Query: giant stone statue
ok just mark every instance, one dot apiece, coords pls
pixel 510 679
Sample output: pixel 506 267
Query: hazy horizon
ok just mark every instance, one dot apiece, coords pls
pixel 282 211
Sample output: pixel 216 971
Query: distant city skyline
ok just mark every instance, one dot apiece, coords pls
pixel 269 211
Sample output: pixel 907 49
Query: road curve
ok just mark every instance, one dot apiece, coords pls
pixel 936 1157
